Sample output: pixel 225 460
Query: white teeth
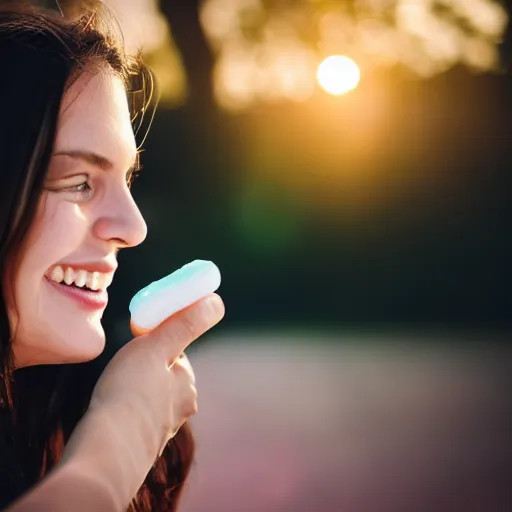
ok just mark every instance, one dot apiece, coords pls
pixel 107 280
pixel 81 278
pixel 69 275
pixel 57 274
pixel 93 280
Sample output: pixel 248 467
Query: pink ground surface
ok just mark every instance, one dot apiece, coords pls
pixel 314 426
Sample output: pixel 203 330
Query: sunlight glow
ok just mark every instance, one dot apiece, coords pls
pixel 338 74
pixel 268 51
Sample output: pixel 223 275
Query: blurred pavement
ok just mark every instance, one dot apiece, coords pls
pixel 361 425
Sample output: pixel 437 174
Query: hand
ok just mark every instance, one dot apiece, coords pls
pixel 150 381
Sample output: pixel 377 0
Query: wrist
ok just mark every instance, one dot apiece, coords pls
pixel 113 446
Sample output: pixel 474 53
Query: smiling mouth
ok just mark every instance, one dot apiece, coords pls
pixel 90 280
pixel 74 286
pixel 83 288
pixel 89 299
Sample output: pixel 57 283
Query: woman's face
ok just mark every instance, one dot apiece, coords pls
pixel 85 216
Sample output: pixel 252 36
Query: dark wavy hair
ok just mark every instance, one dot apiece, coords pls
pixel 42 52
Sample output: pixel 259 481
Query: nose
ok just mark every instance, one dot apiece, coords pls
pixel 120 220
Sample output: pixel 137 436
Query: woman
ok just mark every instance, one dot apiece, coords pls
pixel 67 156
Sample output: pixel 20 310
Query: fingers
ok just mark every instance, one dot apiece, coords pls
pixel 177 332
pixel 183 362
pixel 187 405
pixel 184 375
pixel 136 330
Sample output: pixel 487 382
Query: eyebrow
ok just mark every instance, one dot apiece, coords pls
pixel 97 160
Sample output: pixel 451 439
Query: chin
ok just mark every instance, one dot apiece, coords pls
pixel 81 357
pixel 81 348
pixel 82 351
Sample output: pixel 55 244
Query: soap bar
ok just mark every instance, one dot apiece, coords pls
pixel 159 300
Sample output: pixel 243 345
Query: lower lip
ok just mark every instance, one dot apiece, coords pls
pixel 88 300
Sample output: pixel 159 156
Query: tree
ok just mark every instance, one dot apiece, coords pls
pixel 246 51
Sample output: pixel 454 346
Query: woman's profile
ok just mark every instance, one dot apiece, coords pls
pixel 67 157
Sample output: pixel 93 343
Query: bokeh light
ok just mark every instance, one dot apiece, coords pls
pixel 268 51
pixel 338 74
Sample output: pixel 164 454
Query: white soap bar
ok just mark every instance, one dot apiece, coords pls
pixel 153 304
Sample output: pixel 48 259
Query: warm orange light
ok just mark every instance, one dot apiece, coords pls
pixel 338 74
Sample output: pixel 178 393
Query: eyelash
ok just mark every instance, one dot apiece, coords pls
pixel 130 177
pixel 74 189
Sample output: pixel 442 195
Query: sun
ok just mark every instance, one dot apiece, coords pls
pixel 338 74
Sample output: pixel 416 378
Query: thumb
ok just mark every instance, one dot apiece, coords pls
pixel 180 329
pixel 136 330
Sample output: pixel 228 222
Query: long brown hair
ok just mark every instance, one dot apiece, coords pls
pixel 41 54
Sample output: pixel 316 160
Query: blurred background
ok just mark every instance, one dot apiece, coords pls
pixel 346 164
pixel 387 206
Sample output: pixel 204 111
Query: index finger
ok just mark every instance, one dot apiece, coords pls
pixel 178 331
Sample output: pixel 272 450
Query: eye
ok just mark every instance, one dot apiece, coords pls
pixel 80 189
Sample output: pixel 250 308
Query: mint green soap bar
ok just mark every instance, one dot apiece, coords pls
pixel 155 302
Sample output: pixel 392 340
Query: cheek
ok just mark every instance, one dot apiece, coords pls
pixel 44 328
pixel 59 228
pixel 58 231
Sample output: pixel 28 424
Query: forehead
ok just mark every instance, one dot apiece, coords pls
pixel 95 117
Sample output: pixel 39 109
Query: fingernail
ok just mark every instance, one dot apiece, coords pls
pixel 214 306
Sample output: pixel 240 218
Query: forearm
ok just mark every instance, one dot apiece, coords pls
pixel 104 464
pixel 69 488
